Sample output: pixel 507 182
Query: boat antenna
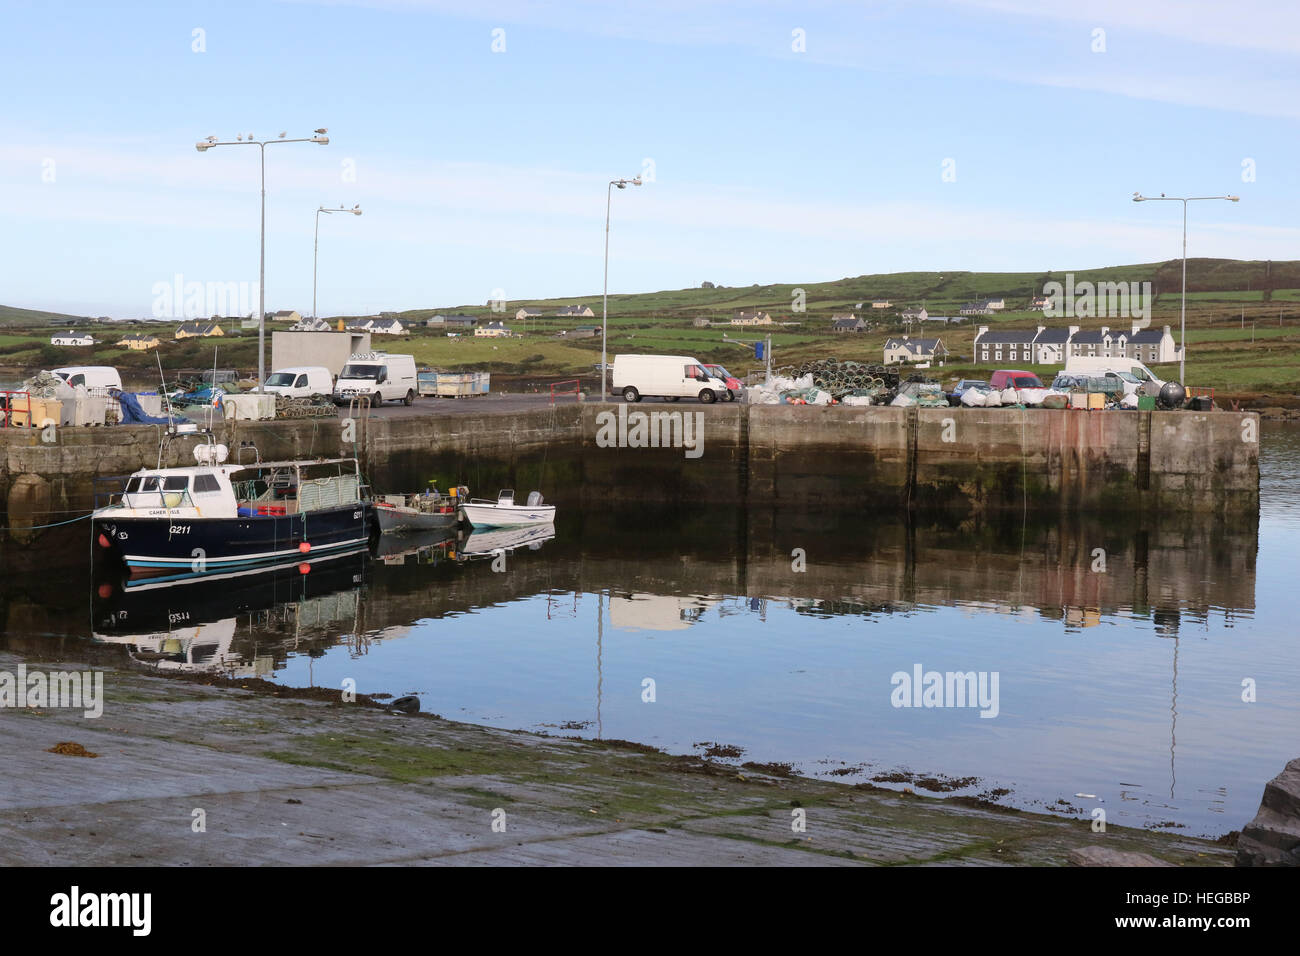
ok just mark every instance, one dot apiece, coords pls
pixel 162 392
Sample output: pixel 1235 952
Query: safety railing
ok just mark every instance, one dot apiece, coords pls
pixel 571 386
pixel 7 397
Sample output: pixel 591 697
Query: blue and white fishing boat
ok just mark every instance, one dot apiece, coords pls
pixel 215 518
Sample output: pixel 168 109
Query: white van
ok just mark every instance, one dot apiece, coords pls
pixel 90 376
pixel 383 377
pixel 668 377
pixel 1124 368
pixel 301 381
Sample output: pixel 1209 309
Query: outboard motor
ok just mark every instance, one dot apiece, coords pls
pixel 1172 395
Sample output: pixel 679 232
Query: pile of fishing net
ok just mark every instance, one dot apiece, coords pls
pixel 48 385
pixel 856 379
pixel 314 406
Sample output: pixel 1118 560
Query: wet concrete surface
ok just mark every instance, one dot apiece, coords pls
pixel 278 780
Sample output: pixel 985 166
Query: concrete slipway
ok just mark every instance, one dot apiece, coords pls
pixel 282 778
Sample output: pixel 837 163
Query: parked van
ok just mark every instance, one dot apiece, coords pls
pixel 381 376
pixel 669 377
pixel 301 381
pixel 1121 367
pixel 90 376
pixel 1028 388
pixel 733 384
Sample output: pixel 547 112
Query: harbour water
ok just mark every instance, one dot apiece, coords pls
pixel 1147 667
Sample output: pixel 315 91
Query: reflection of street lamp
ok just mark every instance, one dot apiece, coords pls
pixel 206 144
pixel 604 311
pixel 356 211
pixel 1182 332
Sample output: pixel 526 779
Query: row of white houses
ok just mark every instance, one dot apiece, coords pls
pixel 1047 346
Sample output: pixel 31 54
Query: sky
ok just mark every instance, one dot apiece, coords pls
pixel 779 142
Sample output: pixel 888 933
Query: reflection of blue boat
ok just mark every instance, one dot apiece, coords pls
pixel 181 524
pixel 154 605
pixel 194 627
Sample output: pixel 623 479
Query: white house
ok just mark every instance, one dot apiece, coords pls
pixel 382 326
pixel 1050 345
pixel 72 338
pixel 914 315
pixel 751 318
pixel 493 330
pixel 908 349
pixel 1010 347
pixel 1152 346
pixel 523 315
pixel 574 311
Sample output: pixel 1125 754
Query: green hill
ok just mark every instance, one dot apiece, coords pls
pixel 1243 321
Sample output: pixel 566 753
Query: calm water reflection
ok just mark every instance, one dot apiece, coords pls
pixel 1121 647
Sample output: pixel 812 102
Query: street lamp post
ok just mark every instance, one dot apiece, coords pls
pixel 206 144
pixel 604 309
pixel 356 211
pixel 1182 325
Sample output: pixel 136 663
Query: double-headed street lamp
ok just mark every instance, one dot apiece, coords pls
pixel 604 309
pixel 356 211
pixel 1182 330
pixel 203 146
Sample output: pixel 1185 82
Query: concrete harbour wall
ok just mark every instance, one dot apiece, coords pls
pixel 951 461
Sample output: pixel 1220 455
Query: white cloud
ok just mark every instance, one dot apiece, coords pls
pixel 1244 24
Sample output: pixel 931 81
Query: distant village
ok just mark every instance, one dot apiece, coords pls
pixel 1040 345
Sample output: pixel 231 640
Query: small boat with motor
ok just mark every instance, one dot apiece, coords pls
pixel 216 517
pixel 504 513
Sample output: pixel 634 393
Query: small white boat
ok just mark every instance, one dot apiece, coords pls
pixel 504 513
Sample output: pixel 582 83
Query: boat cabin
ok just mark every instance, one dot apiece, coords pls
pixel 261 489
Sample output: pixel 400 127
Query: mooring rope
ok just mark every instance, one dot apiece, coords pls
pixel 40 527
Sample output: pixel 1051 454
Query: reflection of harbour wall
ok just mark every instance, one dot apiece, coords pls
pixel 954 461
pixel 1145 570
pixel 1166 571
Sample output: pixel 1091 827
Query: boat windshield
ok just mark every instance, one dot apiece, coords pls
pixel 145 483
pixel 360 371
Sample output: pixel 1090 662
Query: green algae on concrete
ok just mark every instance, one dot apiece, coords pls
pixel 294 781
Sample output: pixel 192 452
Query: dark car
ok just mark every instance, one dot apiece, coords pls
pixel 954 397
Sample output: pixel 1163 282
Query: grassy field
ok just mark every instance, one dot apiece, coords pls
pixel 1235 341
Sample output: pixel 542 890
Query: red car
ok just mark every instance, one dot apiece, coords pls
pixel 733 383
